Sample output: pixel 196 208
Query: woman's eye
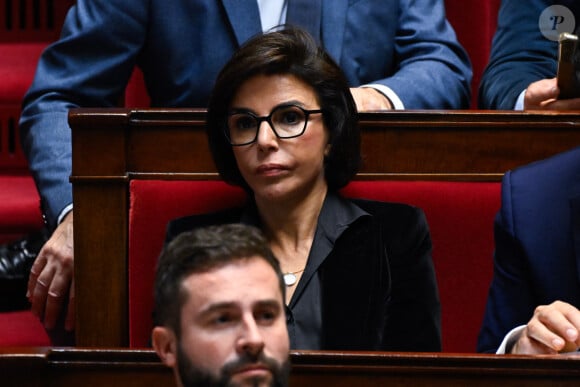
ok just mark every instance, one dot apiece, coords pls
pixel 291 118
pixel 245 123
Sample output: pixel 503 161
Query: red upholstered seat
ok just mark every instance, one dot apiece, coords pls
pixel 26 28
pixel 153 205
pixel 475 23
pixel 23 329
pixel 20 47
pixel 17 69
pixel 136 95
pixel 12 159
pixel 460 215
pixel 19 200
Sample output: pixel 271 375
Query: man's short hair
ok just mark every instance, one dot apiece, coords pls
pixel 200 251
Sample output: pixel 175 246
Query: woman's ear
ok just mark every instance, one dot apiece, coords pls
pixel 165 344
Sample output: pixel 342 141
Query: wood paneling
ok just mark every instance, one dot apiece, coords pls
pixel 107 367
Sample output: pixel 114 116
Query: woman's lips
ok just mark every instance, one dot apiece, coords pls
pixel 271 170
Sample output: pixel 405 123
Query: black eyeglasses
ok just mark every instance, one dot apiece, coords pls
pixel 286 121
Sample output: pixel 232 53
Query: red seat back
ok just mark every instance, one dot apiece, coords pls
pixel 475 22
pixel 22 329
pixel 153 204
pixel 460 215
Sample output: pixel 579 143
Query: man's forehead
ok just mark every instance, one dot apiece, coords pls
pixel 241 280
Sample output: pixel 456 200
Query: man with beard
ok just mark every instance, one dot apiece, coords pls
pixel 219 309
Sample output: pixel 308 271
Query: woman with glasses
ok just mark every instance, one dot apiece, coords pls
pixel 282 124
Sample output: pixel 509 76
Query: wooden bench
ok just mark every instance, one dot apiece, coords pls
pixel 109 367
pixel 422 158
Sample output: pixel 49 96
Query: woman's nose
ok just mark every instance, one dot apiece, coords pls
pixel 266 137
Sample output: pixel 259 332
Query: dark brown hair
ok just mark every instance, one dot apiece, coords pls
pixel 294 52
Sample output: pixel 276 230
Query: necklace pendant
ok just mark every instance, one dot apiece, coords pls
pixel 289 279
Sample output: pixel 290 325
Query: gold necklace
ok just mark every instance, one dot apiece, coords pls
pixel 290 277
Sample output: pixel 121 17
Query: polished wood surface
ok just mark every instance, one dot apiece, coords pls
pixel 109 367
pixel 445 144
pixel 113 146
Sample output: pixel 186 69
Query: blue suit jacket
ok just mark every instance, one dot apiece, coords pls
pixel 537 257
pixel 520 54
pixel 182 44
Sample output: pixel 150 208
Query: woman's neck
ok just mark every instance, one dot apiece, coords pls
pixel 290 226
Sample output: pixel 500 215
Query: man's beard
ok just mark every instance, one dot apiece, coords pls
pixel 192 376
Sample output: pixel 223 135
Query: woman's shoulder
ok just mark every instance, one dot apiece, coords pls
pixel 390 211
pixel 401 225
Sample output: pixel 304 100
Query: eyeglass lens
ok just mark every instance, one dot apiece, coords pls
pixel 287 121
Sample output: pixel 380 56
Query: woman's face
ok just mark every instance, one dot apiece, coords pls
pixel 281 169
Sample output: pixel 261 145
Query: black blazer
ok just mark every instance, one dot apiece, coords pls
pixel 379 290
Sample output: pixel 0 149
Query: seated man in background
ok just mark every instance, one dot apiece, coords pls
pixel 394 53
pixel 536 281
pixel 521 73
pixel 219 309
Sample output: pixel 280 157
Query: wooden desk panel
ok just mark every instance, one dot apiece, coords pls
pixel 113 146
pixel 462 145
pixel 448 144
pixel 106 367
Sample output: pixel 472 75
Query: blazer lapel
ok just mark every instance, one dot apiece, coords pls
pixel 244 17
pixel 333 26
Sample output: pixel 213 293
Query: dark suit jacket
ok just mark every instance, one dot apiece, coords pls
pixel 182 44
pixel 379 290
pixel 520 53
pixel 537 237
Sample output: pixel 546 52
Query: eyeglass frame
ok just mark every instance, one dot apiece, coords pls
pixel 268 119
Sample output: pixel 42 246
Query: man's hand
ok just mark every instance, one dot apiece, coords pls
pixel 543 94
pixel 553 328
pixel 369 99
pixel 51 277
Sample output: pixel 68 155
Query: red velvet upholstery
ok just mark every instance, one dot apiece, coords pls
pixel 22 329
pixel 26 28
pixel 460 216
pixel 19 199
pixel 17 69
pixel 12 160
pixel 136 95
pixel 474 22
pixel 32 20
pixel 153 205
